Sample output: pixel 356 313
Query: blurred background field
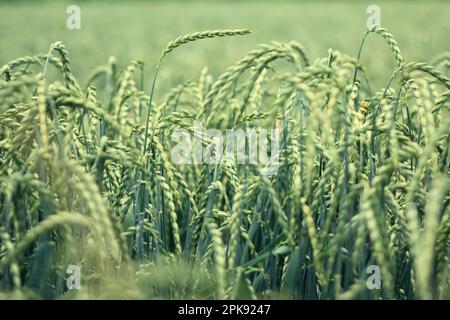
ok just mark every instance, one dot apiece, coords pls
pixel 138 30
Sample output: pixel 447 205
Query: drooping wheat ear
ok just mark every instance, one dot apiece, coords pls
pixel 301 51
pixel 429 69
pixel 67 72
pixel 29 60
pixel 199 36
pixel 391 42
pixel 8 68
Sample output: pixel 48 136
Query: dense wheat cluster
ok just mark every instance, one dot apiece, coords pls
pixel 86 179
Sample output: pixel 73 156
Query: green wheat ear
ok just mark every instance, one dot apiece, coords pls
pixel 208 34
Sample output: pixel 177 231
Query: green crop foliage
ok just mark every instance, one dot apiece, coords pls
pixel 86 177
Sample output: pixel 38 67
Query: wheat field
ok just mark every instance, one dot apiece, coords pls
pixel 87 178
